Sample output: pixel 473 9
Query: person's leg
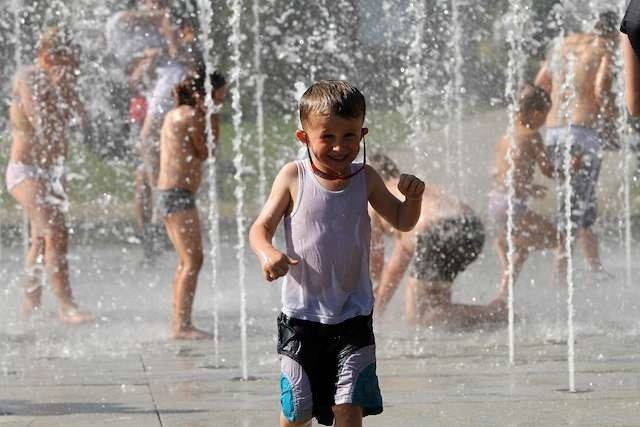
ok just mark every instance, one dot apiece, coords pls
pixel 34 279
pixel 588 242
pixel 411 301
pixel 584 209
pixel 47 222
pixel 500 245
pixel 284 422
pixel 56 244
pixel 519 258
pixel 184 230
pixel 142 199
pixel 347 415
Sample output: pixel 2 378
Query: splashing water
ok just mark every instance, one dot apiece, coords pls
pixel 570 90
pixel 517 17
pixel 259 80
pixel 238 162
pixel 205 16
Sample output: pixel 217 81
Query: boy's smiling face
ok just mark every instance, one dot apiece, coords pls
pixel 333 140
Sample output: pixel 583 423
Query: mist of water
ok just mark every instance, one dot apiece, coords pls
pixel 259 80
pixel 517 17
pixel 570 90
pixel 238 162
pixel 205 17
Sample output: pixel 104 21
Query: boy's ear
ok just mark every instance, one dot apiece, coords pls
pixel 301 136
pixel 365 131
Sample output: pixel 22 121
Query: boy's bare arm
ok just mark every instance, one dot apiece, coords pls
pixel 631 77
pixel 603 79
pixel 544 78
pixel 274 263
pixel 393 272
pixel 404 215
pixel 24 97
pixel 198 134
pixel 377 248
pixel 540 156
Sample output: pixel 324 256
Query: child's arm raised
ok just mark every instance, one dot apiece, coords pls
pixel 198 134
pixel 540 156
pixel 402 216
pixel 274 263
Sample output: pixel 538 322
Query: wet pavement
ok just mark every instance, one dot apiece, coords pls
pixel 123 370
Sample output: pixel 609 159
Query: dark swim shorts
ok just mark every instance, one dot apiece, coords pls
pixel 447 248
pixel 325 365
pixel 631 25
pixel 173 200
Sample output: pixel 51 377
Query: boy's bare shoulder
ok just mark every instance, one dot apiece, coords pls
pixel 25 74
pixel 289 171
pixel 183 113
pixel 181 117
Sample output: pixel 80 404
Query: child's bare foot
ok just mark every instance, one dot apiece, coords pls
pixel 601 276
pixel 30 304
pixel 191 333
pixel 73 315
pixel 498 309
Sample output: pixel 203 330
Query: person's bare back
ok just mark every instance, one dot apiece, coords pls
pixel 586 59
pixel 183 149
pixel 41 109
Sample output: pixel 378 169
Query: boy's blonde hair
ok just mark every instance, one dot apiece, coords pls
pixel 327 97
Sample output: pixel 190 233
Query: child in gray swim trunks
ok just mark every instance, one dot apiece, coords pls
pixel 183 149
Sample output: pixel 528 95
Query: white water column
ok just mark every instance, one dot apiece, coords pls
pixel 205 16
pixel 454 101
pixel 416 81
pixel 518 16
pixel 622 130
pixel 569 89
pixel 235 41
pixel 259 79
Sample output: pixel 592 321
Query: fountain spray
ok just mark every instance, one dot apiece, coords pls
pixel 235 41
pixel 259 79
pixel 205 15
pixel 517 17
pixel 569 88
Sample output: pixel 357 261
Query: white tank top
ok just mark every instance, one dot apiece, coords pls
pixel 329 233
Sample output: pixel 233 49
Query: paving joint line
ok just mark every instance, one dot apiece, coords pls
pixel 153 399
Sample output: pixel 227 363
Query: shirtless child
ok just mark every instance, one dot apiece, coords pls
pixel 448 237
pixel 591 56
pixel 183 149
pixel 531 231
pixel 43 103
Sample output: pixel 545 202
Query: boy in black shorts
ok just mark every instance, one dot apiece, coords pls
pixel 448 237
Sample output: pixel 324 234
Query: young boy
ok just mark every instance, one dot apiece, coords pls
pixel 325 335
pixel 44 100
pixel 167 71
pixel 182 150
pixel 448 237
pixel 531 231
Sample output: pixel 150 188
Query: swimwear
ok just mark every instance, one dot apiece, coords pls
pixel 53 178
pixel 447 248
pixel 585 144
pixel 499 206
pixel 174 200
pixel 324 365
pixel 631 25
pixel 17 172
